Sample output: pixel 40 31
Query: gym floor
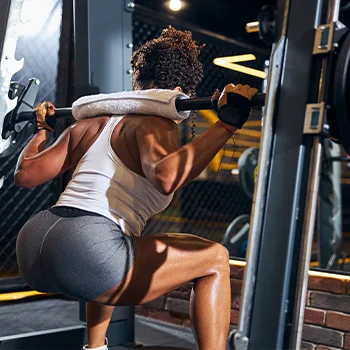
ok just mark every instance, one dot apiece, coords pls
pixel 159 335
pixel 31 316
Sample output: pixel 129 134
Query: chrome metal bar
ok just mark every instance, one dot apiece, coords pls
pixel 309 226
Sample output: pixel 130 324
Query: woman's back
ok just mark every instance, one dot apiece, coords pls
pixel 108 177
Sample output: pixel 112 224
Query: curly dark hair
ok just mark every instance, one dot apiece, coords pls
pixel 168 61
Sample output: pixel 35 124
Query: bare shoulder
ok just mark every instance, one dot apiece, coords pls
pixel 84 132
pixel 83 124
pixel 149 123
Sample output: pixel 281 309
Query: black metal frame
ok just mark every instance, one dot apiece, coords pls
pixel 103 46
pixel 5 8
pixel 283 217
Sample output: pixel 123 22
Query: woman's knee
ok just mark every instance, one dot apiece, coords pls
pixel 221 258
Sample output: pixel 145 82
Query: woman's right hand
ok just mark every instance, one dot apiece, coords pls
pixel 243 90
pixel 236 112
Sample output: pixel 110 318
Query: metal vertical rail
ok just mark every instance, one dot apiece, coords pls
pixel 278 214
pixel 241 337
pixel 311 206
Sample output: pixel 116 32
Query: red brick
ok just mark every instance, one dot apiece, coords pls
pixel 315 316
pixel 307 346
pixel 347 341
pixel 236 286
pixel 323 336
pixel 338 320
pixel 158 315
pixel 183 292
pixel 186 322
pixel 235 301
pixel 180 294
pixel 329 301
pixel 234 317
pixel 237 272
pixel 177 306
pixel 322 347
pixel 158 303
pixel 325 284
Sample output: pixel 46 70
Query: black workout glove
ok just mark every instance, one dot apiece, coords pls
pixel 236 111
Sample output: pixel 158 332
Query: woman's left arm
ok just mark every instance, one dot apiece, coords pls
pixel 37 165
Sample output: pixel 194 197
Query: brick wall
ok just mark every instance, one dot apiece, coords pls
pixel 327 313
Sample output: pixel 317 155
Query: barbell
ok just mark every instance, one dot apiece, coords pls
pixel 18 121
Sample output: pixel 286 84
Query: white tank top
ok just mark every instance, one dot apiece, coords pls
pixel 102 184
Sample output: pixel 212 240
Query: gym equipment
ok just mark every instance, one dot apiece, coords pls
pixel 236 236
pixel 329 220
pixel 289 167
pixel 265 25
pixel 17 121
pixel 341 92
pixel 333 39
pixel 247 164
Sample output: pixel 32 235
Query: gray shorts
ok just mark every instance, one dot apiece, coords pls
pixel 74 252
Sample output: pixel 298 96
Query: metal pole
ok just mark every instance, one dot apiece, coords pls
pixel 309 226
pixel 311 206
pixel 242 335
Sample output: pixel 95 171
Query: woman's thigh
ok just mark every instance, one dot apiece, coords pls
pixel 163 263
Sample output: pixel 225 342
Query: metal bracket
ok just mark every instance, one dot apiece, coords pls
pixel 129 5
pixel 241 342
pixel 314 118
pixel 324 38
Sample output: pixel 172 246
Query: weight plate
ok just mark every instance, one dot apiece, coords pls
pixel 236 236
pixel 247 163
pixel 341 91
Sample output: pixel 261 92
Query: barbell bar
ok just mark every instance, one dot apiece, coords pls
pixel 191 104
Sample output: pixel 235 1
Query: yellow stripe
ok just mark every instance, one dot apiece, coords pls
pixel 231 154
pixel 227 166
pixel 311 273
pixel 229 62
pixel 209 116
pixel 253 124
pixel 243 143
pixel 339 262
pixel 202 125
pixel 249 132
pixel 19 295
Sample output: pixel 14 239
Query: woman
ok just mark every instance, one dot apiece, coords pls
pixel 126 169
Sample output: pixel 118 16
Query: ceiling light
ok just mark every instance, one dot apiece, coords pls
pixel 175 5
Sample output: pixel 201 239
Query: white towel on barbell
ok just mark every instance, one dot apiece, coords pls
pixel 149 102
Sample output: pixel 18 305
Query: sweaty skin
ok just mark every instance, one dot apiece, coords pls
pixel 148 145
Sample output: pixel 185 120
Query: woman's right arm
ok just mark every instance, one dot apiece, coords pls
pixel 168 167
